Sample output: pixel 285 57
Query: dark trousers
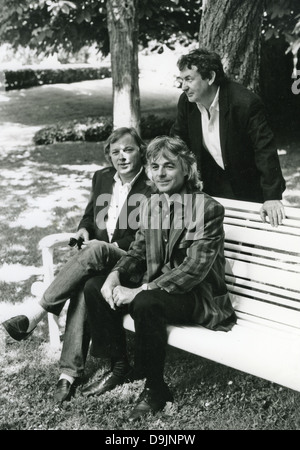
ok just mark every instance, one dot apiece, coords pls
pixel 151 312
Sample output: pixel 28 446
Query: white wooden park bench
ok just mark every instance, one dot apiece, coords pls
pixel 263 278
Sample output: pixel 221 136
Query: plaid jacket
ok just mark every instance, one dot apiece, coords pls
pixel 188 259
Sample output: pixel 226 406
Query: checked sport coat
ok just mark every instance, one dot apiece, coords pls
pixel 189 259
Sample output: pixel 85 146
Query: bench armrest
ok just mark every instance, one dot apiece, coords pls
pixel 55 240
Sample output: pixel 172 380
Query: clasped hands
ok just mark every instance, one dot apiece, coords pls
pixel 115 294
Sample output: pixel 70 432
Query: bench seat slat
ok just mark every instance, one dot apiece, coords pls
pixel 274 359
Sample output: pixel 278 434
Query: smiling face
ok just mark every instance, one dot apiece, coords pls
pixel 167 173
pixel 126 157
pixel 195 87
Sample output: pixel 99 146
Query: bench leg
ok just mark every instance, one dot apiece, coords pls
pixel 54 334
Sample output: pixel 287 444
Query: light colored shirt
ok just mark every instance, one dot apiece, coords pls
pixel 211 129
pixel 119 195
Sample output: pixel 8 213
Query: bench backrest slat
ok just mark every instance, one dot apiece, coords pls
pixel 266 253
pixel 265 275
pixel 263 265
pixel 269 262
pixel 265 296
pixel 262 238
pixel 266 310
pixel 258 287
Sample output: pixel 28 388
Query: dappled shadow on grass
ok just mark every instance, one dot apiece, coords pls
pixel 208 396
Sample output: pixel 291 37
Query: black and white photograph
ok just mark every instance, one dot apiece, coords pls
pixel 150 218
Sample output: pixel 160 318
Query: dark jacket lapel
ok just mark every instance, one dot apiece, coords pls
pixel 223 114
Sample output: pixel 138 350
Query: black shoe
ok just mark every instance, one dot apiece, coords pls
pixel 64 390
pixel 151 401
pixel 17 327
pixel 107 383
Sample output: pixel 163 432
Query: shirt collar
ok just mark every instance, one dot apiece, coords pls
pixel 175 198
pixel 214 105
pixel 128 184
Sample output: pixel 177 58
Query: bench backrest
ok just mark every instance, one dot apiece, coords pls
pixel 263 266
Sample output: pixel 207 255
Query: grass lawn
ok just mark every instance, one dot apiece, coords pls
pixel 44 190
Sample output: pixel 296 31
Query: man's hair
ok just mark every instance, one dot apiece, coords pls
pixel 205 61
pixel 118 134
pixel 166 145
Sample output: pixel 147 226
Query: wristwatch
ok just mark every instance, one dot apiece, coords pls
pixel 144 287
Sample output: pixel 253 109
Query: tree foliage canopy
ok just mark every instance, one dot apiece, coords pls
pixel 51 25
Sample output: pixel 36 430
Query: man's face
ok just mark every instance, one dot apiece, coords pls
pixel 195 87
pixel 167 174
pixel 126 157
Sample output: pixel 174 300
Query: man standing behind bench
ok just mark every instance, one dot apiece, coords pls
pixel 225 126
pixel 174 272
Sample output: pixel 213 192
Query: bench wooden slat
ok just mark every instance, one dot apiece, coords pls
pixel 254 221
pixel 280 292
pixel 234 205
pixel 265 296
pixel 265 310
pixel 270 254
pixel 262 238
pixel 244 320
pixel 294 267
pixel 267 275
pixel 286 230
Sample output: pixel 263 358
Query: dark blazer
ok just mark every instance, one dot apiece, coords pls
pixel 247 143
pixel 195 261
pixel 95 213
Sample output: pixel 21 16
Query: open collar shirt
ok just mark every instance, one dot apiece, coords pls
pixel 119 195
pixel 211 129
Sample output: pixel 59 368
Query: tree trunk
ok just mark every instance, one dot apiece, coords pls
pixel 233 29
pixel 122 21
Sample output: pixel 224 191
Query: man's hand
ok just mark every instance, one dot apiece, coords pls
pixel 274 210
pixel 108 287
pixel 84 234
pixel 123 295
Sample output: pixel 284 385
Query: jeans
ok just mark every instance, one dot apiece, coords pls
pixel 97 257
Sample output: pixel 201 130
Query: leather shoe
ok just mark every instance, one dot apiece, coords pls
pixel 107 383
pixel 151 401
pixel 17 327
pixel 64 390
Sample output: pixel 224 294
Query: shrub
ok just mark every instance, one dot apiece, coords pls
pixel 98 129
pixel 27 77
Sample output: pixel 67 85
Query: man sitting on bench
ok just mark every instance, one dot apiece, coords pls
pixel 174 272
